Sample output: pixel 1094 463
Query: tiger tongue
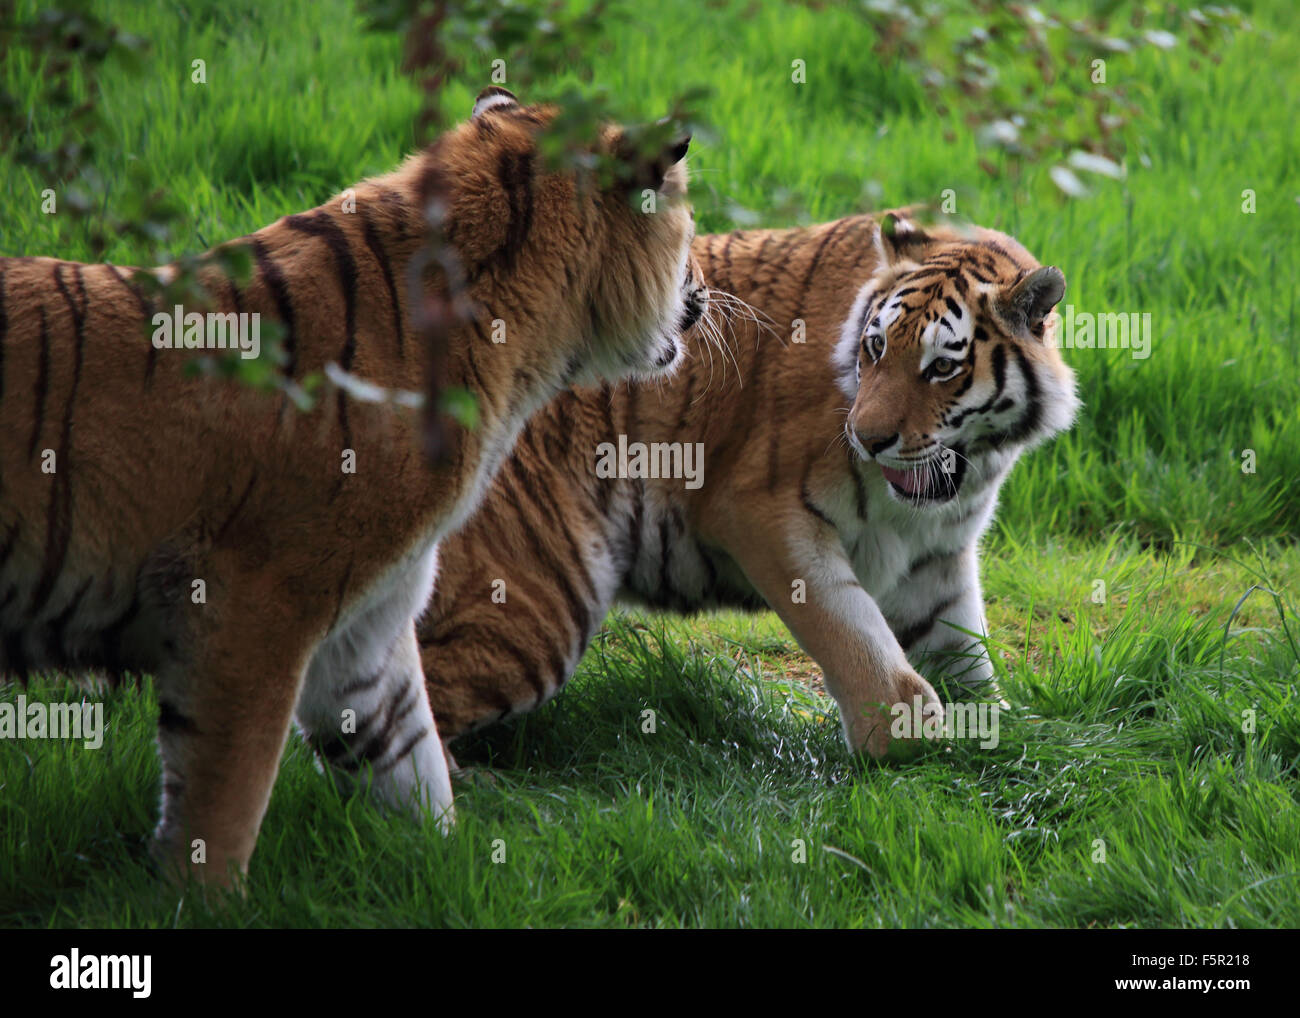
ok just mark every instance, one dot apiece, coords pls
pixel 910 481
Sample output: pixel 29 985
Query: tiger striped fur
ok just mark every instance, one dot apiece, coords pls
pixel 312 574
pixel 862 463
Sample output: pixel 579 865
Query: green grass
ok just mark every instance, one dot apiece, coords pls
pixel 1127 733
pixel 1127 729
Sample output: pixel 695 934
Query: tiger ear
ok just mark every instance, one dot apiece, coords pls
pixel 1026 305
pixel 898 239
pixel 656 170
pixel 494 97
pixel 668 163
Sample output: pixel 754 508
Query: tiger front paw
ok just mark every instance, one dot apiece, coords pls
pixel 894 726
pixel 196 862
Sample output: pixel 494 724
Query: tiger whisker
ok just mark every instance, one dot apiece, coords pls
pixel 712 338
pixel 721 343
pixel 749 312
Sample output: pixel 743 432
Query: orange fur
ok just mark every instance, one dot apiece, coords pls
pixel 788 495
pixel 313 575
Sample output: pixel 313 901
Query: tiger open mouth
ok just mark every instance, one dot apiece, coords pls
pixel 936 479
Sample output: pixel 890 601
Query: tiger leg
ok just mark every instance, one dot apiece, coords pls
pixel 944 607
pixel 369 719
pixel 225 712
pixel 363 705
pixel 507 626
pixel 801 569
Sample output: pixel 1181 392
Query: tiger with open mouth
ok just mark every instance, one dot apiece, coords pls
pixel 889 376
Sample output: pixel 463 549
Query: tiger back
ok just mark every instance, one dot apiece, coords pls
pixel 832 449
pixel 266 564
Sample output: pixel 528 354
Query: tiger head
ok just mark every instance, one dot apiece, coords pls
pixel 602 267
pixel 950 358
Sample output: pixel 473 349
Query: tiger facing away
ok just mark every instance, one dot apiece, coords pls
pixel 312 574
pixel 845 484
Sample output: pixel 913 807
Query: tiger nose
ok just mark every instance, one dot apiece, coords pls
pixel 876 444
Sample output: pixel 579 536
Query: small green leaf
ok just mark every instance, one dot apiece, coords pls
pixel 461 405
